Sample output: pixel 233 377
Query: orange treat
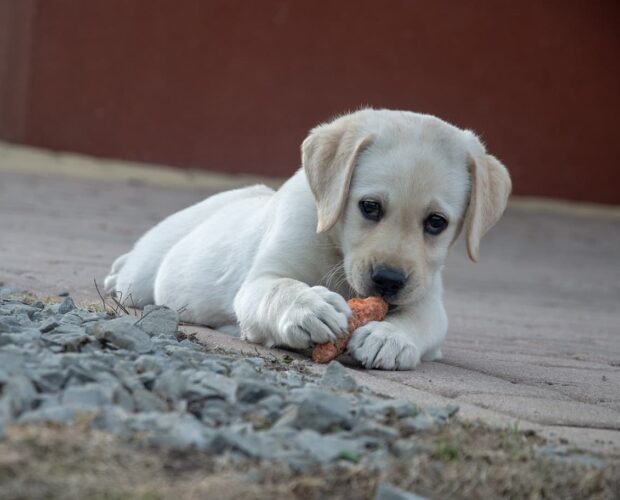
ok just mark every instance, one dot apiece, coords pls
pixel 364 311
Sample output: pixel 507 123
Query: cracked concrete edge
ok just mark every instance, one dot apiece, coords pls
pixel 40 161
pixel 601 441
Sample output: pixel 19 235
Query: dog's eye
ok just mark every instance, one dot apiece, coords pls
pixel 371 209
pixel 435 224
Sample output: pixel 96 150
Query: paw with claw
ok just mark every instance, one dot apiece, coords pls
pixel 317 315
pixel 382 346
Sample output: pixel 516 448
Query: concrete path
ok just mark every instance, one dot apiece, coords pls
pixel 535 326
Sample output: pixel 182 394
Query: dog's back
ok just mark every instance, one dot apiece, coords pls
pixel 132 275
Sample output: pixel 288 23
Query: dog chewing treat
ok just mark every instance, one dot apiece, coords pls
pixel 364 311
pixel 380 198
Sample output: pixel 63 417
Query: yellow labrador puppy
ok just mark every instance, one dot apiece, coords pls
pixel 379 200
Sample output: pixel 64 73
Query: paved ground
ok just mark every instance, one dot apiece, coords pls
pixel 535 326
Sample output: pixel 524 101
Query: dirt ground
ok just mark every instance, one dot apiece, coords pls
pixel 461 460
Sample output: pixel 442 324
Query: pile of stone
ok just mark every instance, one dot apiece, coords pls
pixel 139 378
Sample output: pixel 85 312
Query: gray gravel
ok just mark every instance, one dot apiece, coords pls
pixel 138 378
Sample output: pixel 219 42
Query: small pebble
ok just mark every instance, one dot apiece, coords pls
pixel 66 306
pixel 337 377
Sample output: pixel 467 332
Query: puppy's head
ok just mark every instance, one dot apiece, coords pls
pixel 395 188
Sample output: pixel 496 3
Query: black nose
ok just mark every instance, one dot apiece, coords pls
pixel 388 281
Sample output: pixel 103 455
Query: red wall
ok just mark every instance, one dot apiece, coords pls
pixel 235 85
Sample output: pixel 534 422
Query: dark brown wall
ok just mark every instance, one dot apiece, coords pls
pixel 235 85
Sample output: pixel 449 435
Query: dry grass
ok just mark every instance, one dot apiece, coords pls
pixel 459 461
pixel 29 298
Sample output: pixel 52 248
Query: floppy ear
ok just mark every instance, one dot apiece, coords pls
pixel 329 154
pixel 490 188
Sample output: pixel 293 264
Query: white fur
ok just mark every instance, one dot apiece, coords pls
pixel 251 260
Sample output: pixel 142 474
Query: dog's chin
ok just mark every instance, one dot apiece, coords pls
pixel 394 302
pixel 402 298
pixel 407 296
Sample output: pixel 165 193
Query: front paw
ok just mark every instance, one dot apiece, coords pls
pixel 316 316
pixel 380 345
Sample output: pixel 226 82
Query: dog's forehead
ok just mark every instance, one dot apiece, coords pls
pixel 415 163
pixel 420 137
pixel 416 148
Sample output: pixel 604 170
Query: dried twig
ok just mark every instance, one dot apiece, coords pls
pixel 133 304
pixel 119 305
pixel 103 302
pixel 144 316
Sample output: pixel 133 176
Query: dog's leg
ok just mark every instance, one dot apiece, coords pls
pixel 403 339
pixel 109 284
pixel 287 312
